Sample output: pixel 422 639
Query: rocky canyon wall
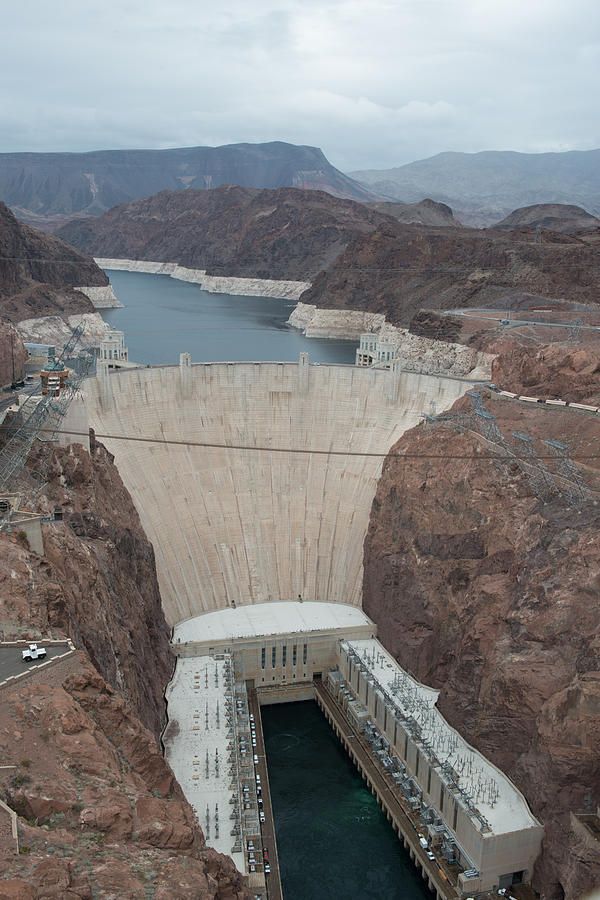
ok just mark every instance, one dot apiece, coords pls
pixel 492 596
pixel 100 812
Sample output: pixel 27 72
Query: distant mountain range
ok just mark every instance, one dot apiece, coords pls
pixel 484 187
pixel 47 189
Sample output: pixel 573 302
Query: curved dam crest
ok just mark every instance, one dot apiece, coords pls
pixel 232 527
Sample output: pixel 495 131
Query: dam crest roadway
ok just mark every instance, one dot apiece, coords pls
pixel 231 526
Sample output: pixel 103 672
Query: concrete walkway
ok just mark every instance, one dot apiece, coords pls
pixel 273 880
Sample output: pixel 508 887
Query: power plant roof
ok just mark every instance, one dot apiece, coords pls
pixel 266 619
pixel 496 797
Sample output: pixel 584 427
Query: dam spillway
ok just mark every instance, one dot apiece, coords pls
pixel 237 526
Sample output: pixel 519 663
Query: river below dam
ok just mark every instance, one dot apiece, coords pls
pixel 163 317
pixel 333 840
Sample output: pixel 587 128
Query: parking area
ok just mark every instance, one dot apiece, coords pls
pixel 11 662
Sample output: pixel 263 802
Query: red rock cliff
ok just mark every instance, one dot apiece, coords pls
pixel 492 596
pixel 96 583
pixel 101 814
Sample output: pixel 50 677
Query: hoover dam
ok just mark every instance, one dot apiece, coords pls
pixel 286 521
pixel 254 482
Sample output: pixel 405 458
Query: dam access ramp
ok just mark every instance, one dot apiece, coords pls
pixel 254 480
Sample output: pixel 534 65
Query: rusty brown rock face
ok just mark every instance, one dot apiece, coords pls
pixel 492 596
pixel 101 813
pixel 38 273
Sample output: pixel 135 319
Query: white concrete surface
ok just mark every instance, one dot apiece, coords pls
pixel 196 698
pixel 54 330
pixel 233 527
pixel 506 808
pixel 269 619
pixel 214 284
pixel 102 296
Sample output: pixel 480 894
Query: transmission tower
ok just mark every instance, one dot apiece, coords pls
pixel 574 331
pixel 47 414
pixel 576 489
pixel 538 476
pixel 538 234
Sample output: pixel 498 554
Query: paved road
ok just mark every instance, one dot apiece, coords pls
pixel 12 664
pixel 515 322
pixel 273 880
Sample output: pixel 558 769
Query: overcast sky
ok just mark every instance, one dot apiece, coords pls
pixel 374 83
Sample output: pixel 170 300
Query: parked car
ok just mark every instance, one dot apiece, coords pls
pixel 33 652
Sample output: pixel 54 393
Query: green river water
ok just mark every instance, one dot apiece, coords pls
pixel 334 842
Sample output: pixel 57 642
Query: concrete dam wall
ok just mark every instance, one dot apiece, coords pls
pixel 236 526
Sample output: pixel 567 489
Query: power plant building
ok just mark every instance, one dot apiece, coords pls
pixel 465 801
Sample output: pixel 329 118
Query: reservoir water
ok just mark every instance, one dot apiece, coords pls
pixel 164 317
pixel 333 840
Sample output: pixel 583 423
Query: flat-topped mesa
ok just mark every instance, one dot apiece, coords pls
pixel 233 526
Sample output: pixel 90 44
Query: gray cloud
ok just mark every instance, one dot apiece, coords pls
pixel 373 82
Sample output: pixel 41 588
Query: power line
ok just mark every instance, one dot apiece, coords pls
pixel 213 445
pixel 410 268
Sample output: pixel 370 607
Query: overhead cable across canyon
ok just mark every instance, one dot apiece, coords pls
pixel 213 445
pixel 423 269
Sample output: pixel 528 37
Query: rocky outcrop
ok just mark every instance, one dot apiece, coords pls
pixel 39 273
pixel 426 212
pixel 492 596
pixel 551 216
pixel 399 269
pixel 550 371
pixel 285 234
pixel 214 284
pixel 100 812
pixel 344 324
pixel 102 297
pixel 12 355
pixel 96 582
pixel 57 330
